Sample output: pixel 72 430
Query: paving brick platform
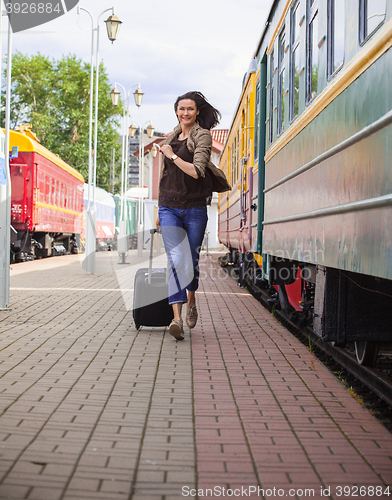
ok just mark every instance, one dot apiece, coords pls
pixel 92 409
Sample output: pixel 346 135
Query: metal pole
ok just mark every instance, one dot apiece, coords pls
pixel 5 295
pixel 126 162
pixel 122 237
pixel 112 171
pixel 96 105
pixel 96 112
pixel 90 216
pixel 142 191
pixel 140 223
pixel 3 208
pixel 122 156
pixel 92 165
pixel 5 190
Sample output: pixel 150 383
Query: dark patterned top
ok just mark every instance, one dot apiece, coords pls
pixel 178 189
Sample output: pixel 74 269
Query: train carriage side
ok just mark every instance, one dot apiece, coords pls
pixel 237 223
pixel 46 201
pixel 105 216
pixel 328 187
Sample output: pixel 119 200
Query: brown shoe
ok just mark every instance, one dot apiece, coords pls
pixel 176 329
pixel 191 316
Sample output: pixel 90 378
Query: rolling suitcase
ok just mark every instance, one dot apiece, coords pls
pixel 150 295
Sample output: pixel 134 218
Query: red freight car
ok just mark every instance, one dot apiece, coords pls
pixel 46 200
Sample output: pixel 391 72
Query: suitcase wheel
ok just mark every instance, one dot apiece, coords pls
pixel 137 326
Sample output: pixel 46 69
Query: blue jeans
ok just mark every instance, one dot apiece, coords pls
pixel 183 232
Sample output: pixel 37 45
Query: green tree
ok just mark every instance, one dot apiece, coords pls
pixel 54 96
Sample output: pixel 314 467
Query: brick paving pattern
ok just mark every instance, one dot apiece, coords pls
pixel 92 409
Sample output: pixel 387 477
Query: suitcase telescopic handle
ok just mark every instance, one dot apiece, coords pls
pixel 152 232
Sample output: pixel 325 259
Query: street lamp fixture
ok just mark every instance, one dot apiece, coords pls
pixel 138 95
pixel 115 95
pixel 132 130
pixel 113 24
pixel 150 130
pixel 154 150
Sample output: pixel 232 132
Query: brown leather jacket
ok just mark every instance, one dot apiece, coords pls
pixel 199 143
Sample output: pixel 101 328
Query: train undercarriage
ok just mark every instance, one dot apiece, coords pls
pixel 341 307
pixel 30 245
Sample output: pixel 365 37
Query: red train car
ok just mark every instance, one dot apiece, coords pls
pixel 46 200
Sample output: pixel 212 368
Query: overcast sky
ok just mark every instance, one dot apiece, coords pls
pixel 168 46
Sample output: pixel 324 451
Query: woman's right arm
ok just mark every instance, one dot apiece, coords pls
pixel 186 167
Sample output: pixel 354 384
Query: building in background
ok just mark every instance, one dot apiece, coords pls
pixel 133 159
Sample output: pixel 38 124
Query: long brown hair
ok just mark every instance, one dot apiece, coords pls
pixel 208 116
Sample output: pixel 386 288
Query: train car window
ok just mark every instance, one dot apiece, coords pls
pixel 249 134
pixel 257 123
pixel 243 131
pixel 232 162
pixel 271 98
pixel 53 192
pixel 311 50
pixel 229 162
pixel 237 156
pixel 336 27
pixel 294 62
pixel 371 15
pixel 281 79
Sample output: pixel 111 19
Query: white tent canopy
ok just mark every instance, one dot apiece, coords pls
pixel 136 192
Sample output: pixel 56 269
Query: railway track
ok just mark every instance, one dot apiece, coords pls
pixel 371 386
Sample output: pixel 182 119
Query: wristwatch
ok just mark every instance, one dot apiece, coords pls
pixel 174 157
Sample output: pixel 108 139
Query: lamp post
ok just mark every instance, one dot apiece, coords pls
pixel 154 151
pixel 150 132
pixel 5 189
pixel 138 96
pixel 112 25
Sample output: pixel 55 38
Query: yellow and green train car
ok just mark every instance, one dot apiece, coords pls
pixel 323 200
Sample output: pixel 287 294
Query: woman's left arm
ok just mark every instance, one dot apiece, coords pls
pixel 202 152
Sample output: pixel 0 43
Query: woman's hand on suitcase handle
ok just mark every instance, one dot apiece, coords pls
pixel 158 224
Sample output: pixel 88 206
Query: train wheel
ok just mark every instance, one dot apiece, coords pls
pixel 367 352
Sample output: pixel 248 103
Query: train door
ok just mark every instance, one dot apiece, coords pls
pixel 242 183
pixel 246 179
pixel 19 200
pixel 36 196
pixel 250 208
